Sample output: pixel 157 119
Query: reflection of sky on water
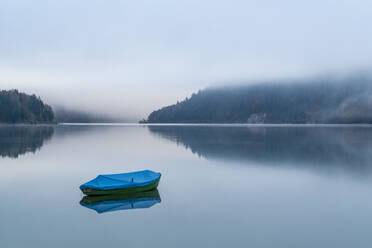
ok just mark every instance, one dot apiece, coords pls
pixel 260 187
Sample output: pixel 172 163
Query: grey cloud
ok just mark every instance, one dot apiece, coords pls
pixel 145 54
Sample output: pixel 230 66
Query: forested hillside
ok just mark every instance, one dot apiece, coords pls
pixel 315 101
pixel 16 107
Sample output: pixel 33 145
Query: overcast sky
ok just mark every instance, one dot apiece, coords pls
pixel 131 57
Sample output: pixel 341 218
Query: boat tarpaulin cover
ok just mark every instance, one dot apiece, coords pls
pixel 109 206
pixel 122 181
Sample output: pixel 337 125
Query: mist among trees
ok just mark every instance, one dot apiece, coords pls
pixel 321 100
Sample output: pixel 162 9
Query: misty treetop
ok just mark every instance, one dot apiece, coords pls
pixel 346 100
pixel 16 107
pixel 63 115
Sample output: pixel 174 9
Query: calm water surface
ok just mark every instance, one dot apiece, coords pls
pixel 222 186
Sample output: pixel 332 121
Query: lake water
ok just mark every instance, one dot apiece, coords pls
pixel 221 186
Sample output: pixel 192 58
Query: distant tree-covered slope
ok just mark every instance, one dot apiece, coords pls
pixel 316 101
pixel 16 107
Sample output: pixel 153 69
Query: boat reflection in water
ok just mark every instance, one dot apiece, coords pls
pixel 115 202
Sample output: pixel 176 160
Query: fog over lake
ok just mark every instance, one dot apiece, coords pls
pixel 185 124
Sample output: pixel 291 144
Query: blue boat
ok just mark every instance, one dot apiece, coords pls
pixel 123 183
pixel 109 203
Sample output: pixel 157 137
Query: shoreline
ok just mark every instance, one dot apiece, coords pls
pixel 215 124
pixel 367 125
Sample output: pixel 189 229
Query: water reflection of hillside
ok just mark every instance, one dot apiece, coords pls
pixel 18 140
pixel 326 148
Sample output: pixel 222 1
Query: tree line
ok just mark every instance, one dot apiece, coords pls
pixel 347 100
pixel 17 107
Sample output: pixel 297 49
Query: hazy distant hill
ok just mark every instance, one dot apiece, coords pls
pixel 316 101
pixel 16 107
pixel 64 115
